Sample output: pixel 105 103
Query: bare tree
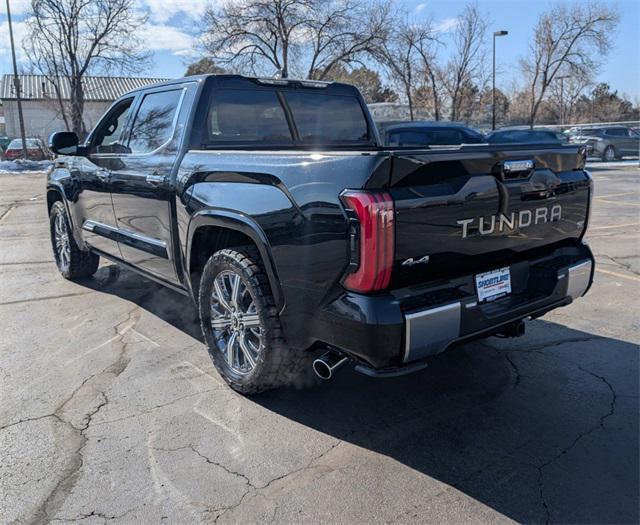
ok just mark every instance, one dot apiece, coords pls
pixel 409 57
pixel 564 95
pixel 301 37
pixel 366 80
pixel 567 39
pixel 69 39
pixel 465 72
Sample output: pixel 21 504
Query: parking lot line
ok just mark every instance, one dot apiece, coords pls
pixel 618 203
pixel 616 195
pixel 613 226
pixel 622 276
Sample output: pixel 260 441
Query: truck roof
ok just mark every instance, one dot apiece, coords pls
pixel 241 81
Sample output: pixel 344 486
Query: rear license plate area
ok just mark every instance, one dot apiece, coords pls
pixel 493 284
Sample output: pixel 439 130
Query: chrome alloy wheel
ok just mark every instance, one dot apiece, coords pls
pixel 61 237
pixel 235 322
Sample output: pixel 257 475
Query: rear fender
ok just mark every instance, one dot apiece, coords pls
pixel 245 225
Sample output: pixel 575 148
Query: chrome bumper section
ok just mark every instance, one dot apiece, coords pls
pixel 429 332
pixel 579 279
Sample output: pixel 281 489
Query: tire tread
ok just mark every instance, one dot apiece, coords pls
pixel 282 366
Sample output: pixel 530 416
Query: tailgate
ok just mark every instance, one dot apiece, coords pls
pixel 474 208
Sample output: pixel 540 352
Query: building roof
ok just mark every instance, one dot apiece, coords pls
pixel 39 87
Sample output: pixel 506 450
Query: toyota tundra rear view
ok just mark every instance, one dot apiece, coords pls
pixel 306 243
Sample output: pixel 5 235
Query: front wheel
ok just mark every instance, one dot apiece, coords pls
pixel 72 262
pixel 242 328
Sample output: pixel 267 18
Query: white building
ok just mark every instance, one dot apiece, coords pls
pixel 41 106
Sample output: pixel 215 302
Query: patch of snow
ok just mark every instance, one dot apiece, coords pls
pixel 21 165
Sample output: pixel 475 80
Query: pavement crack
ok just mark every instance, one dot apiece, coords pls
pixel 223 467
pixel 614 397
pixel 566 450
pixel 253 490
pixel 8 211
pixel 512 364
pixel 544 346
pixel 154 408
pixel 46 298
pixel 58 495
pixel 95 514
pixel 36 418
pixel 617 261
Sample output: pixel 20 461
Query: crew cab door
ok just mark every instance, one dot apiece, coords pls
pixel 142 185
pixel 93 208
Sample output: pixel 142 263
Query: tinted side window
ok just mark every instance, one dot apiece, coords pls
pixel 327 118
pixel 240 116
pixel 153 125
pixel 108 138
pixel 617 132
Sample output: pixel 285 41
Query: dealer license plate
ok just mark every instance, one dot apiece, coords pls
pixel 494 284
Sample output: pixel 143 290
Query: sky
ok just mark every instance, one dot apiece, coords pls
pixel 171 35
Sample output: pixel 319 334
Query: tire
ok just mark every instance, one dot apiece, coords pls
pixel 609 154
pixel 244 336
pixel 72 262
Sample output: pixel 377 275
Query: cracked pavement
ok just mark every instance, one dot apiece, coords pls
pixel 110 409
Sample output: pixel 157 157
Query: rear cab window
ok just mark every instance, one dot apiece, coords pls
pixel 287 117
pixel 247 117
pixel 327 119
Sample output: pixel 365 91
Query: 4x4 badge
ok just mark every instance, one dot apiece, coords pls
pixel 411 261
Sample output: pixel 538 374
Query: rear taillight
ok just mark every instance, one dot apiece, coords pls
pixel 371 240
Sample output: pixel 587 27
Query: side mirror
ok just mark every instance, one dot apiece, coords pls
pixel 64 143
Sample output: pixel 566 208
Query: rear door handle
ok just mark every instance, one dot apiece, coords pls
pixel 155 180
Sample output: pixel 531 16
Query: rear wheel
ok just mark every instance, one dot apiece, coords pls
pixel 241 326
pixel 609 154
pixel 72 262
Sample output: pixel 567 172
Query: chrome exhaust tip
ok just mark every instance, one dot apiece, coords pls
pixel 326 365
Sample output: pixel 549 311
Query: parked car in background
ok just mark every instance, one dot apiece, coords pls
pixel 4 142
pixel 426 133
pixel 36 150
pixel 607 142
pixel 526 135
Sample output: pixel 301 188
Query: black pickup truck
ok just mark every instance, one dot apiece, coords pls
pixel 304 242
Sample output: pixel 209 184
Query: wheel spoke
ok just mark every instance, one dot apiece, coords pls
pixel 251 320
pixel 231 351
pixel 235 290
pixel 246 351
pixel 221 323
pixel 219 295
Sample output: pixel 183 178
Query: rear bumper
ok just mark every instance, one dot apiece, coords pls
pixel 405 327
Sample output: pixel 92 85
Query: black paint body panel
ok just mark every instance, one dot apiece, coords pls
pixel 287 203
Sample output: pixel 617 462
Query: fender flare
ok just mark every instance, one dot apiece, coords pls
pixel 247 226
pixel 59 188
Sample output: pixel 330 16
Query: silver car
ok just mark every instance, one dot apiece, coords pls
pixel 609 143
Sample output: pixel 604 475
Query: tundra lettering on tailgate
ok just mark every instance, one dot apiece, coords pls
pixel 511 222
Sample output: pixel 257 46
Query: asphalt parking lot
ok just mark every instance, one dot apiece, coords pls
pixel 110 409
